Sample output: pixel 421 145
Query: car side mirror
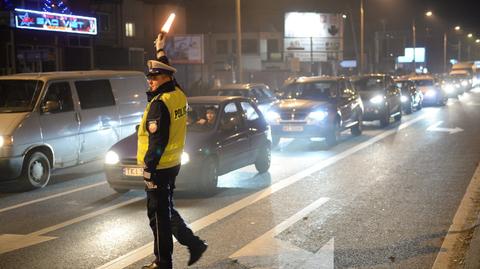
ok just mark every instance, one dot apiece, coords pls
pixel 50 107
pixel 137 127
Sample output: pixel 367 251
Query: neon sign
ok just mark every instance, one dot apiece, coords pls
pixel 47 21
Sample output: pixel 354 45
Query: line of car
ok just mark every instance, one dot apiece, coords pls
pixel 306 107
pixel 61 119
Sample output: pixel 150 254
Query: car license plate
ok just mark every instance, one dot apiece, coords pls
pixel 293 128
pixel 133 171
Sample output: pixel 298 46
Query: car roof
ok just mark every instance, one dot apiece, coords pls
pixel 71 75
pixel 314 79
pixel 424 77
pixel 214 99
pixel 239 86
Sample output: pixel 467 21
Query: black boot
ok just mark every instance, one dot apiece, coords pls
pixel 196 252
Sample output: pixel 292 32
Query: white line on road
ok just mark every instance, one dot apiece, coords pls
pixel 10 242
pixel 463 219
pixel 146 250
pixel 52 196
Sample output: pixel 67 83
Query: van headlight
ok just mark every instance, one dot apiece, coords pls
pixel 6 140
pixel 430 93
pixel 464 83
pixel 404 99
pixel 377 99
pixel 112 158
pixel 185 158
pixel 448 88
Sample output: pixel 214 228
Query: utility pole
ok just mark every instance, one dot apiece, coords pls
pixel 445 52
pixel 239 42
pixel 414 32
pixel 362 38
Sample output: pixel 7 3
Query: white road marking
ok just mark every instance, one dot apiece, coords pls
pixel 463 220
pixel 435 128
pixel 146 250
pixel 10 242
pixel 52 196
pixel 266 251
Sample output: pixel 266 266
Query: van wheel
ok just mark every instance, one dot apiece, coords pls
pixel 36 170
pixel 262 164
pixel 208 177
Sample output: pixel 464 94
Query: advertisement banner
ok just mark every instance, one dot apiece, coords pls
pixel 47 21
pixel 185 49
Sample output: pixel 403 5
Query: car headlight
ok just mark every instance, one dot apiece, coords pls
pixel 404 99
pixel 112 158
pixel 6 140
pixel 464 83
pixel 430 93
pixel 272 116
pixel 317 115
pixel 377 99
pixel 448 88
pixel 185 158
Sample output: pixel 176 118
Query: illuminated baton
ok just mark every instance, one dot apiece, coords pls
pixel 168 23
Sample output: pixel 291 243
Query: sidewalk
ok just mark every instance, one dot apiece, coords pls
pixel 472 257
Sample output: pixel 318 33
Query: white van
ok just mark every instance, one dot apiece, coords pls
pixel 61 119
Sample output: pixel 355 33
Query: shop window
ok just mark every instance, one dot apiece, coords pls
pixel 103 22
pixel 249 46
pixel 129 29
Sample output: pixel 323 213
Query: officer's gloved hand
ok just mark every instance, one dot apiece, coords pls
pixel 160 44
pixel 147 178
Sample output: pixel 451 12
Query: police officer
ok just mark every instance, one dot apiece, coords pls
pixel 161 138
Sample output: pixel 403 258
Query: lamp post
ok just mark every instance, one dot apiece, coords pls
pixel 414 40
pixel 239 41
pixel 362 38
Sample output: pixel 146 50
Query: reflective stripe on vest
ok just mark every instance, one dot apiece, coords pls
pixel 176 103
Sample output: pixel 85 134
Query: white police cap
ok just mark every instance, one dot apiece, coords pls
pixel 157 68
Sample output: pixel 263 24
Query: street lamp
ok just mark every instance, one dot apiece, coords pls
pixel 477 41
pixel 458 28
pixel 362 38
pixel 470 35
pixel 429 14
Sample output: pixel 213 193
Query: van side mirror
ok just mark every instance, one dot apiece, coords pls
pixel 51 106
pixel 136 127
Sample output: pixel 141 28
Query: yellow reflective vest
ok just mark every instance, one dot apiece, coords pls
pixel 176 103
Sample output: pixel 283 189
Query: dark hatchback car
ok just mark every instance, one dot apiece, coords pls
pixel 235 136
pixel 258 92
pixel 316 107
pixel 381 98
pixel 412 98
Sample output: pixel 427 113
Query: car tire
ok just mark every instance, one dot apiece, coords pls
pixel 263 161
pixel 208 177
pixel 385 120
pixel 398 117
pixel 331 139
pixel 36 170
pixel 357 129
pixel 409 108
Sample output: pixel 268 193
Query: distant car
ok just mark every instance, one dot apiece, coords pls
pixel 433 93
pixel 381 98
pixel 258 92
pixel 452 86
pixel 464 78
pixel 237 136
pixel 316 107
pixel 412 98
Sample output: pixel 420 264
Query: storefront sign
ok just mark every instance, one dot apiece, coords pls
pixel 46 21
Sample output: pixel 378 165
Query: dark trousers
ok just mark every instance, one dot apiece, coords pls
pixel 165 220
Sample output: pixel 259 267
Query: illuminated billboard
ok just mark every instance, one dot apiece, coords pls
pixel 47 21
pixel 313 37
pixel 408 56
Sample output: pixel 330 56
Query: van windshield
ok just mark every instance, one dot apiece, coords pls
pixel 18 95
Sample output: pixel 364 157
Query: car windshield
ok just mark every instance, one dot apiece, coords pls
pixel 202 117
pixel 401 83
pixel 320 90
pixel 370 84
pixel 18 95
pixel 424 82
